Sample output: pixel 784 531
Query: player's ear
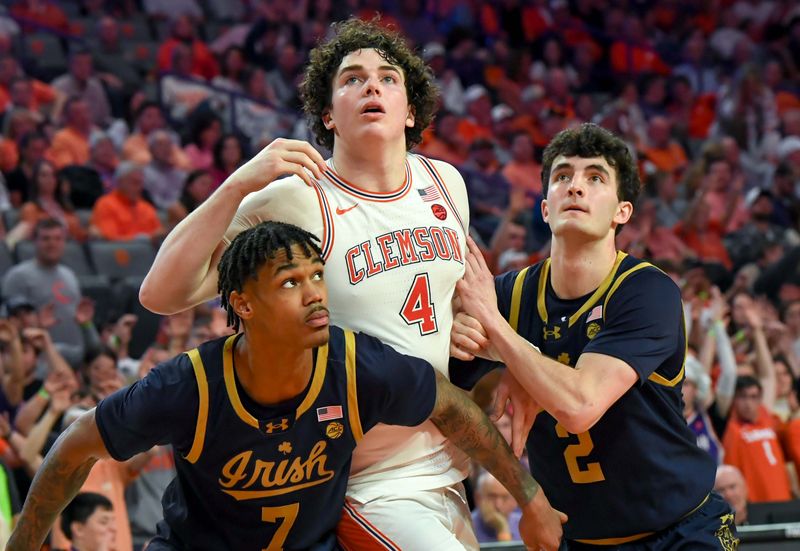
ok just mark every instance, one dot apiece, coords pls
pixel 545 210
pixel 624 212
pixel 327 120
pixel 410 119
pixel 241 305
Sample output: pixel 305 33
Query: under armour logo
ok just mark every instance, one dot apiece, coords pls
pixel 554 334
pixel 271 427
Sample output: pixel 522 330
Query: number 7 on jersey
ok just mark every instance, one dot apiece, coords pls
pixel 418 308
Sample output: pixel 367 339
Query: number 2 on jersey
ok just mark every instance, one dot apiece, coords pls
pixel 593 472
pixel 418 307
pixel 288 513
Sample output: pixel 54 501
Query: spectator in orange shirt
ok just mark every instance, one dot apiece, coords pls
pixel 665 154
pixel 40 93
pixel 522 171
pixel 203 65
pixel 18 123
pixel 34 96
pixel 71 144
pixel 123 214
pixel 443 141
pixel 751 444
pixel 478 122
pixel 633 53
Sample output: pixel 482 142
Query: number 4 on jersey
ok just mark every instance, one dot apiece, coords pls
pixel 418 307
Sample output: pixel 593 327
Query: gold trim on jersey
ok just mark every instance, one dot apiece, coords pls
pixel 654 377
pixel 617 541
pixel 316 383
pixel 202 410
pixel 540 302
pixel 516 298
pixel 352 395
pixel 590 302
pixel 619 281
pixel 230 383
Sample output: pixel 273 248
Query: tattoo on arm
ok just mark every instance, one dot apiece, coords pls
pixel 58 480
pixel 463 422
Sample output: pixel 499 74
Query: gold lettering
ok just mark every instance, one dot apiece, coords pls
pixel 279 478
pixel 234 470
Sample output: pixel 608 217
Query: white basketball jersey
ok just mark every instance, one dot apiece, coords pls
pixel 391 265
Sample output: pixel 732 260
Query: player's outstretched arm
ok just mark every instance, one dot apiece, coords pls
pixel 58 480
pixel 184 272
pixel 463 422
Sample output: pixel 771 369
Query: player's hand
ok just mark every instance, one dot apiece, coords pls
pixel 540 525
pixel 524 410
pixel 476 289
pixel 468 339
pixel 280 157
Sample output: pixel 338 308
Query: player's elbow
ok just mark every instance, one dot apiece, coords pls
pixel 156 301
pixel 578 417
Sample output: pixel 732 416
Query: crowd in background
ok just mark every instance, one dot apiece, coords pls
pixel 153 104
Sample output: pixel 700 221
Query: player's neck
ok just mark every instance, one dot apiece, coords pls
pixel 270 373
pixel 578 268
pixel 376 169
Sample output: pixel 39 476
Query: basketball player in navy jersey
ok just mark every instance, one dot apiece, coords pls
pixel 611 447
pixel 264 422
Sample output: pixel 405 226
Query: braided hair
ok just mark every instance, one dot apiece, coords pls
pixel 250 250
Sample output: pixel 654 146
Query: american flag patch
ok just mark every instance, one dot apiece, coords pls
pixel 329 412
pixel 596 313
pixel 430 193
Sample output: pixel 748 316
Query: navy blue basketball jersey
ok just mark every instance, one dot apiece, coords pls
pixel 638 469
pixel 251 477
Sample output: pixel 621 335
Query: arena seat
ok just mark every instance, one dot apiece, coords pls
pixel 122 259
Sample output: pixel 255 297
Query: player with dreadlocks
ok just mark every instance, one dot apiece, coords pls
pixel 263 423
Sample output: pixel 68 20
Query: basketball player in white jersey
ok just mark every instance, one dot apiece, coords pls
pixel 392 226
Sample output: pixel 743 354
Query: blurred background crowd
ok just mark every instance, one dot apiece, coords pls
pixel 119 118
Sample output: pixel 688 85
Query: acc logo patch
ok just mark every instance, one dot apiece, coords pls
pixel 334 430
pixel 592 330
pixel 439 211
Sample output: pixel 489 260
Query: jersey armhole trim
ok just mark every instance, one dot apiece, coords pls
pixel 352 394
pixel 516 298
pixel 328 234
pixel 202 410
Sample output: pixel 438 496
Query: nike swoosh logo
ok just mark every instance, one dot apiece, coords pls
pixel 340 210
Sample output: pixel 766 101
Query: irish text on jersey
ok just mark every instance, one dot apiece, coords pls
pixel 401 248
pixel 245 477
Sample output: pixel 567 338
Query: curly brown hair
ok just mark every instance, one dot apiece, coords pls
pixel 316 90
